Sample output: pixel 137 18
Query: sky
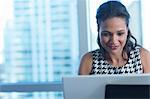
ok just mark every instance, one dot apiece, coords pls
pixel 6 13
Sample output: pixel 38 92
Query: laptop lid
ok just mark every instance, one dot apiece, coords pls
pixel 93 86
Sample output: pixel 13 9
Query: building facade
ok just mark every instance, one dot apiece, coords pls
pixel 41 44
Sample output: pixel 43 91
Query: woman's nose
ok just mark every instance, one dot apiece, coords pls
pixel 114 38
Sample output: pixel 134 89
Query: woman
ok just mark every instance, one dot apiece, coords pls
pixel 118 51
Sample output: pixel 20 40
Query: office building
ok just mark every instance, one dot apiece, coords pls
pixel 41 44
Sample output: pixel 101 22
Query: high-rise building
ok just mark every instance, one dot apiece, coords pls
pixel 41 43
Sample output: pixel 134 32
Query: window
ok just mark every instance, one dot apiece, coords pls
pixel 145 16
pixel 39 43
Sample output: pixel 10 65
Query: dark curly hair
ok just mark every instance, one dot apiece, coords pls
pixel 112 9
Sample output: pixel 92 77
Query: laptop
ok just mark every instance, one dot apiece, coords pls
pixel 96 86
pixel 130 91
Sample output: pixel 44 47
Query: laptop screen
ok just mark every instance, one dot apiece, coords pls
pixel 124 91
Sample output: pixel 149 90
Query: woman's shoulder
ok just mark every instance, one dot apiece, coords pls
pixel 86 63
pixel 91 54
pixel 144 52
pixel 87 55
pixel 145 56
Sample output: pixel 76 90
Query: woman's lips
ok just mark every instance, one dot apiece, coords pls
pixel 113 47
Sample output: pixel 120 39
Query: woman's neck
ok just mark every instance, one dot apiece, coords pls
pixel 118 59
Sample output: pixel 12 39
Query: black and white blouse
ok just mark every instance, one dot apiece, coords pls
pixel 101 66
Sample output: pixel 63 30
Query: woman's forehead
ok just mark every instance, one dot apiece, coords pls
pixel 113 23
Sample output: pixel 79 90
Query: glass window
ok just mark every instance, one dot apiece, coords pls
pixel 145 23
pixel 38 43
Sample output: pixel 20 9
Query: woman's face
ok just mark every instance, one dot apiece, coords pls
pixel 113 34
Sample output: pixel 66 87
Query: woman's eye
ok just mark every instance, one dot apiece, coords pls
pixel 106 34
pixel 120 34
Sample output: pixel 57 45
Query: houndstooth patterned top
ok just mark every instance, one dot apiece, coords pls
pixel 101 66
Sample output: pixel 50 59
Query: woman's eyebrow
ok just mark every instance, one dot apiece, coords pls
pixel 121 31
pixel 105 31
